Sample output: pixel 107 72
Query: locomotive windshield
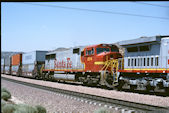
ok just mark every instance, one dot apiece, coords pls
pixel 114 48
pixel 100 50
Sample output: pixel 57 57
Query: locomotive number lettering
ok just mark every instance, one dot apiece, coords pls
pixel 89 59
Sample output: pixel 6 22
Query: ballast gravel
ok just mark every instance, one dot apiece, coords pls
pixel 128 96
pixel 53 102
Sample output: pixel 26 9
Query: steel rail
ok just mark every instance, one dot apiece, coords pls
pixel 132 105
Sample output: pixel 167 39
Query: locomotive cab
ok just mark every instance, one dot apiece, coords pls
pixel 95 56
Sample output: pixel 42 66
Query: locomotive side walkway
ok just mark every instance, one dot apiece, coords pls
pixel 132 97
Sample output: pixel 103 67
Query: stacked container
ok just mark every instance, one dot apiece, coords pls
pixel 7 65
pixel 2 65
pixel 32 62
pixel 16 64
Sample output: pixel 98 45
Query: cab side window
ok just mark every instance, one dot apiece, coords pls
pixel 90 52
pixel 82 53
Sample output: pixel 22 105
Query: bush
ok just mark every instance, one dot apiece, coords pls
pixel 22 108
pixel 9 108
pixel 40 109
pixel 5 95
pixel 160 111
pixel 101 110
pixel 2 103
pixel 5 90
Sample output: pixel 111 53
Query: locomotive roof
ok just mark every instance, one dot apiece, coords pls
pixel 99 45
pixel 142 40
pixel 63 49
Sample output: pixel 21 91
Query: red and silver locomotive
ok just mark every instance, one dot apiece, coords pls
pixel 83 64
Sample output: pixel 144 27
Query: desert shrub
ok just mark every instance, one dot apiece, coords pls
pixel 22 108
pixel 4 90
pixel 40 109
pixel 2 103
pixel 160 111
pixel 9 108
pixel 101 110
pixel 5 95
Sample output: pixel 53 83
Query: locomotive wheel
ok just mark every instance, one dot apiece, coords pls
pixel 109 81
pixel 167 91
pixel 132 87
pixel 148 88
pixel 44 76
pixel 84 83
pixel 120 85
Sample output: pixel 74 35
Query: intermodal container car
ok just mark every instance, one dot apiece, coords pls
pixel 32 62
pixel 7 65
pixel 16 64
pixel 2 65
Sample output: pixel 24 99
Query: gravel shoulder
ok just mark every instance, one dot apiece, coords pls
pixel 51 101
pixel 133 97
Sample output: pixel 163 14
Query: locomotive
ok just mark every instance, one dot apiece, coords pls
pixel 83 64
pixel 145 64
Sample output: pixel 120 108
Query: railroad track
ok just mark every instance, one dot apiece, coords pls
pixel 130 107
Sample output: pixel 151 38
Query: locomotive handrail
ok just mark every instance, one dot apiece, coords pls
pixel 41 69
pixel 113 64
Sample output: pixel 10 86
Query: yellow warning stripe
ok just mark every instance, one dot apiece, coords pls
pixel 146 69
pixel 99 63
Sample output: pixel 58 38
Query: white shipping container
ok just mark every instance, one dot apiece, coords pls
pixel 31 57
pixel 2 61
pixel 2 68
pixel 7 61
pixel 15 68
pixel 7 69
pixel 27 67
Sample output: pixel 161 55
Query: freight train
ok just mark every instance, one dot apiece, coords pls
pixel 145 64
